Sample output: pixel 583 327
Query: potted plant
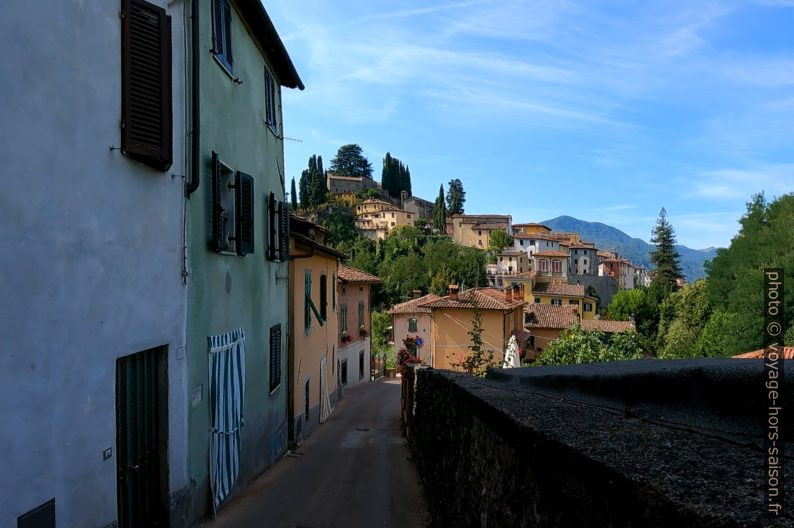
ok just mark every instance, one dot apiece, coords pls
pixel 362 331
pixel 345 336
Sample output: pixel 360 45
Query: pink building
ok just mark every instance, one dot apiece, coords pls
pixel 409 318
pixel 355 325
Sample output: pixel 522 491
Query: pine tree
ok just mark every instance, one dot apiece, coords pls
pixel 350 161
pixel 293 196
pixel 456 197
pixel 665 257
pixel 440 212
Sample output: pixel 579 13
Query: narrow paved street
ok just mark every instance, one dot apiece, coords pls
pixel 353 471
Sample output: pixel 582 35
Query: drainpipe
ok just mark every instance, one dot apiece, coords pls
pixel 194 100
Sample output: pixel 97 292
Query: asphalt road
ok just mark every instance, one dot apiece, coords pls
pixel 353 471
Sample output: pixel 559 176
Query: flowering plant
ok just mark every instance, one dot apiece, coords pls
pixel 408 354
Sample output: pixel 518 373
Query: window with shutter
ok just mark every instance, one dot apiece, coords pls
pixel 275 357
pixel 270 101
pixel 283 230
pixel 272 216
pixel 222 33
pixel 244 235
pixel 146 84
pixel 224 207
pixel 278 230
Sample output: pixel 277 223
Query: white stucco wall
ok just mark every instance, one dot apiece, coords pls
pixel 91 258
pixel 351 354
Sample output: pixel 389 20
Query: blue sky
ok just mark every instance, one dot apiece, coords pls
pixel 605 111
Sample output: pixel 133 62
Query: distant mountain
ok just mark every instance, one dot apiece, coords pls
pixel 635 249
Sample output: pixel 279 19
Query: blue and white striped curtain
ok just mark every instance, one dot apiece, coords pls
pixel 227 387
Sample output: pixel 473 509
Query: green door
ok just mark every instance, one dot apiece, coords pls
pixel 140 439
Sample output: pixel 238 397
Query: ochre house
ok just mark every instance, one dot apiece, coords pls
pixel 475 230
pixel 452 318
pixel 563 294
pixel 313 272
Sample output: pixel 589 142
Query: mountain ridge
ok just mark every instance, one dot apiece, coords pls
pixel 635 249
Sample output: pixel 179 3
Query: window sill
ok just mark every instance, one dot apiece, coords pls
pixel 224 67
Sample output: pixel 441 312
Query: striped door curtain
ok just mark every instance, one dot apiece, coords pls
pixel 325 401
pixel 227 387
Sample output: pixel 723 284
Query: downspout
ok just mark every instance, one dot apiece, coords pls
pixel 194 100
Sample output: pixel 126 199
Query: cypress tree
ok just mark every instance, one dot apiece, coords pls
pixel 386 174
pixel 293 196
pixel 319 189
pixel 665 257
pixel 440 212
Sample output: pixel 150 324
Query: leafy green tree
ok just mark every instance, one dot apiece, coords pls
pixel 625 345
pixel 440 282
pixel 683 316
pixel 381 321
pixel 626 304
pixel 665 258
pixel 499 240
pixel 715 337
pixel 440 212
pixel 788 338
pixel 402 275
pixel 350 161
pixel 456 197
pixel 293 196
pixel 579 346
pixel 341 230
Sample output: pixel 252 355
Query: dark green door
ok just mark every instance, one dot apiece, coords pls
pixel 140 435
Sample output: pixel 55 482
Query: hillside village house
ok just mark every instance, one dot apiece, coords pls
pixel 474 230
pixel 378 225
pixel 355 325
pixel 340 183
pixel 530 228
pixel 551 264
pixel 563 294
pixel 534 242
pixel 452 316
pixel 314 316
pixel 237 225
pixel 93 295
pixel 509 262
pixel 371 205
pixel 419 207
pixel 410 318
pixel 545 322
pixel 583 259
pixel 620 269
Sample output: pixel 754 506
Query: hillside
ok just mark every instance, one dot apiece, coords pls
pixel 635 249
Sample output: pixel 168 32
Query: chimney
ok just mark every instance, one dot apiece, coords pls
pixel 417 294
pixel 509 294
pixel 521 291
pixel 453 292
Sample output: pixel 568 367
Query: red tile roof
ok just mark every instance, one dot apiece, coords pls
pixel 486 299
pixel 602 325
pixel 412 306
pixel 550 316
pixel 348 274
pixel 524 275
pixel 788 353
pixel 559 288
pixel 550 253
pixel 539 236
pixel 490 226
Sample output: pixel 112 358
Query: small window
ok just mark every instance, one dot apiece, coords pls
pixel 146 119
pixel 361 307
pixel 573 301
pixel 309 308
pixel 270 101
pixel 232 209
pixel 275 357
pixel 222 33
pixel 556 302
pixel 343 372
pixel 537 300
pixel 588 307
pixel 361 365
pixel 412 324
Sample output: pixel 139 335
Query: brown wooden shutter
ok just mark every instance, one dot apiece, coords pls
pixel 275 357
pixel 227 33
pixel 272 219
pixel 218 242
pixel 217 27
pixel 146 84
pixel 245 213
pixel 283 232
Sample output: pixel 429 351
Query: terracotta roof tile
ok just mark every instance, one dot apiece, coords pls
pixel 550 253
pixel 412 306
pixel 788 353
pixel 490 226
pixel 550 316
pixel 602 325
pixel 559 288
pixel 524 275
pixel 486 299
pixel 348 274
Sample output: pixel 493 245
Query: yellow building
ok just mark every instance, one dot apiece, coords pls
pixel 373 206
pixel 475 230
pixel 531 228
pixel 451 322
pixel 562 294
pixel 378 224
pixel 348 198
pixel 313 272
